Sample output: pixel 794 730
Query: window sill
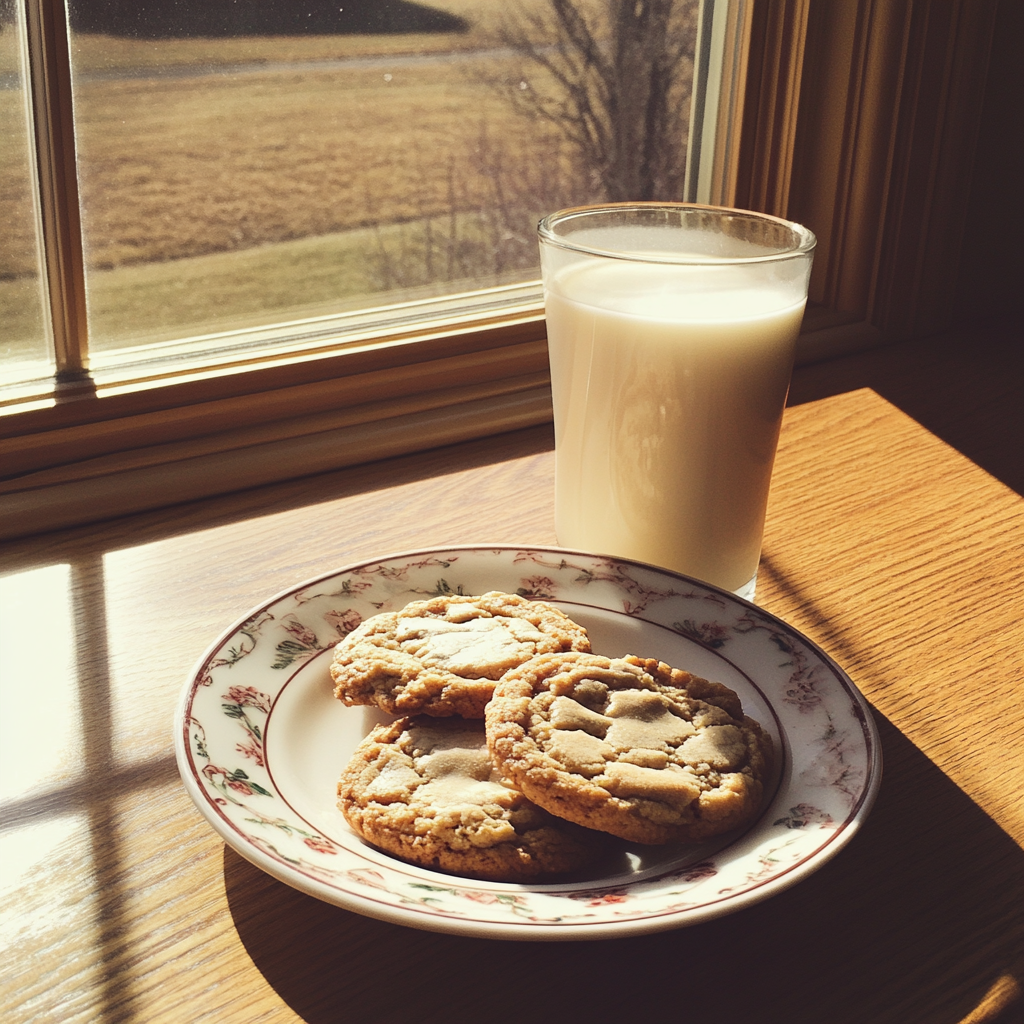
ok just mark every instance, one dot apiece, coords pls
pixel 121 450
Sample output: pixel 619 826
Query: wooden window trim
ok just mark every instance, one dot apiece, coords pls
pixel 855 118
pixel 864 127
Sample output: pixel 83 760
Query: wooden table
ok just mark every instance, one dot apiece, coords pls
pixel 895 553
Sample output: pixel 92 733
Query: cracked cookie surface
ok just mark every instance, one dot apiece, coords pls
pixel 629 746
pixel 425 790
pixel 443 656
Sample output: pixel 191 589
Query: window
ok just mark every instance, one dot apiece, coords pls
pixel 295 165
pixel 284 386
pixel 24 347
pixel 245 167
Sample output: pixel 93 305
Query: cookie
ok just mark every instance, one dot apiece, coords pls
pixel 629 746
pixel 425 790
pixel 443 656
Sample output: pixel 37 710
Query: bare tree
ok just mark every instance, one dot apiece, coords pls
pixel 496 192
pixel 605 85
pixel 616 82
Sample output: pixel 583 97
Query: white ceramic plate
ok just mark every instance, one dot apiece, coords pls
pixel 260 742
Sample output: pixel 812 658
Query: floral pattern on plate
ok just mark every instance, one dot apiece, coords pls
pixel 260 758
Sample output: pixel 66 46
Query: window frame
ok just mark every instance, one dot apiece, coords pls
pixel 853 77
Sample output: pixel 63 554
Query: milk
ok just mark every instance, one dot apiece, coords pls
pixel 669 384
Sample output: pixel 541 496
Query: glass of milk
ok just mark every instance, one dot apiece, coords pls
pixel 671 331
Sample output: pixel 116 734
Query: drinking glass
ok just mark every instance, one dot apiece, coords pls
pixel 671 333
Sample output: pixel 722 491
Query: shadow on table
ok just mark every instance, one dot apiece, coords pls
pixel 966 387
pixel 918 920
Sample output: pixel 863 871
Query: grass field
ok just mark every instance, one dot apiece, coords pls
pixel 273 183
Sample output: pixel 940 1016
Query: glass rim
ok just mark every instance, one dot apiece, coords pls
pixel 803 246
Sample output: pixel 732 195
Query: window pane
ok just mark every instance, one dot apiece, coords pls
pixel 25 351
pixel 247 164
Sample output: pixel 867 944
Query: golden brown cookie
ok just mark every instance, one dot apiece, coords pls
pixel 629 746
pixel 443 656
pixel 424 789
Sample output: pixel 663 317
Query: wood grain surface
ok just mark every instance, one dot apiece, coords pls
pixel 890 549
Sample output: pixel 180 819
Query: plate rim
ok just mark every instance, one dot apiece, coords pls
pixel 522 929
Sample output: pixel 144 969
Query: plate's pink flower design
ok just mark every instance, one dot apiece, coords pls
pixel 518 904
pixel 607 898
pixel 400 573
pixel 802 694
pixel 597 897
pixel 713 634
pixel 485 898
pixel 199 735
pixel 608 570
pixel 252 750
pixel 250 630
pixel 697 872
pixel 803 815
pixel 694 872
pixel 348 588
pixel 802 691
pixel 834 767
pixel 343 622
pixel 320 845
pixel 303 634
pixel 538 588
pixel 368 876
pixel 237 780
pixel 239 698
pixel 248 697
pixel 305 642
